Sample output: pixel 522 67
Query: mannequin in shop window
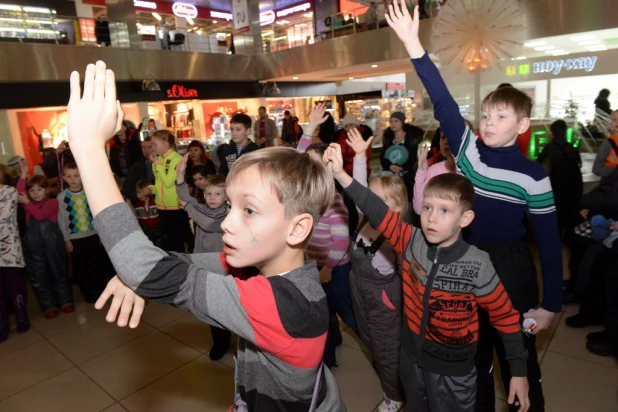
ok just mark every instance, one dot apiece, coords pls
pixel 125 149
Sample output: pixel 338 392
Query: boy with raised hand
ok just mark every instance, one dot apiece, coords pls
pixel 507 186
pixel 445 283
pixel 274 198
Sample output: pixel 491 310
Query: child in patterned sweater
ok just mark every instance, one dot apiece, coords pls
pixel 90 262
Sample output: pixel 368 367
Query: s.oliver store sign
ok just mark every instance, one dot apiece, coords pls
pixel 179 9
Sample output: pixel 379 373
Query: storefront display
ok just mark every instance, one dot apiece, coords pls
pixel 34 24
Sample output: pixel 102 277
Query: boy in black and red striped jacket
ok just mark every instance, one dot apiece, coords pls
pixel 275 196
pixel 445 281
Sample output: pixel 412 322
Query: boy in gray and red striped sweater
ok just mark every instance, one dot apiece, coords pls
pixel 275 196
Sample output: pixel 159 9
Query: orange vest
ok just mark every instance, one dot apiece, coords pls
pixel 612 157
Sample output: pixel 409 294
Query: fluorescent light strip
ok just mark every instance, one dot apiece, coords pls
pixel 157 16
pixel 42 31
pixel 10 7
pixel 584 37
pixel 190 20
pixel 10 29
pixel 535 43
pixel 543 48
pixel 37 10
pixel 39 22
pixel 589 42
pixel 9 19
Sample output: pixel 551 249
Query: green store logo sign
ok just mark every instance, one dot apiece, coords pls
pixel 553 66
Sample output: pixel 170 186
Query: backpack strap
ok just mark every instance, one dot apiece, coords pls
pixel 614 146
pixel 375 245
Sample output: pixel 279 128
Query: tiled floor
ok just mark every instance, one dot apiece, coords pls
pixel 78 362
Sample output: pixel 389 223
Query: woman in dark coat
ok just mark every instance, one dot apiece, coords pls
pixel 393 159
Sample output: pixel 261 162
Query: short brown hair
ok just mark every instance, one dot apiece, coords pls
pixel 142 184
pixel 394 188
pixel 38 180
pixel 451 186
pixel 241 118
pixel 511 97
pixel 301 184
pixel 215 180
pixel 70 166
pixel 319 148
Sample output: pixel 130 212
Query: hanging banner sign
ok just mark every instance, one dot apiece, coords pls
pixel 241 16
pixel 184 10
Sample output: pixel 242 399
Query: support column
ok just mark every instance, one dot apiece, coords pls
pixel 248 42
pixel 123 24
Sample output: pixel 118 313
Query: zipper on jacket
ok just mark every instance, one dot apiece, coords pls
pixel 426 297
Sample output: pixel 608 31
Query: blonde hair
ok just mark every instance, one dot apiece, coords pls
pixel 301 184
pixel 215 181
pixel 394 188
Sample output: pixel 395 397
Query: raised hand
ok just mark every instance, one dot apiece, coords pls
pixel 125 300
pixel 333 159
pixel 422 158
pixel 357 143
pixel 23 198
pixel 95 116
pixel 24 168
pixel 405 26
pixel 318 114
pixel 182 165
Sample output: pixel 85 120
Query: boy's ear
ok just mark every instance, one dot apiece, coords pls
pixel 524 124
pixel 300 229
pixel 466 218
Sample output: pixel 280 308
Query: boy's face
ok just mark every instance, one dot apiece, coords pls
pixel 240 135
pixel 147 149
pixel 442 220
pixel 255 231
pixel 500 126
pixel 613 125
pixel 72 178
pixel 214 196
pixel 142 194
pixel 37 193
pixel 199 181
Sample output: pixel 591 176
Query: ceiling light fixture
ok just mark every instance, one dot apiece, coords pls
pixel 294 78
pixel 584 37
pixel 351 78
pixel 589 42
pixel 535 43
pixel 543 48
pixel 157 16
pixel 190 20
pixel 596 48
pixel 555 51
pixel 373 66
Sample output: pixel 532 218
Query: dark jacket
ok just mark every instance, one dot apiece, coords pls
pixel 230 155
pixel 341 137
pixel 414 135
pixel 53 163
pixel 603 199
pixel 137 172
pixel 132 148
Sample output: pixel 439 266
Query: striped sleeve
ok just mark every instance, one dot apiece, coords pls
pixel 339 232
pixel 491 296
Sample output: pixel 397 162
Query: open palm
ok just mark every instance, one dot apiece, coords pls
pixel 318 114
pixel 400 20
pixel 357 143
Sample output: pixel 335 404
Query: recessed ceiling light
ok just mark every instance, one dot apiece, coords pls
pixel 374 66
pixel 583 37
pixel 294 78
pixel 351 78
pixel 543 48
pixel 589 42
pixel 535 43
pixel 555 51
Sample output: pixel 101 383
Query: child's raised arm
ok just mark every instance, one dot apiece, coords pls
pixel 446 109
pixel 397 232
pixel 360 146
pixel 316 118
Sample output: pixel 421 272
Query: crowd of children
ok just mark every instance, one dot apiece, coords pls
pixel 430 304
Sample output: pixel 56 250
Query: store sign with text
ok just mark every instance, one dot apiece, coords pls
pixel 555 67
pixel 268 17
pixel 145 4
pixel 395 86
pixel 221 15
pixel 184 10
pixel 181 92
pixel 298 8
